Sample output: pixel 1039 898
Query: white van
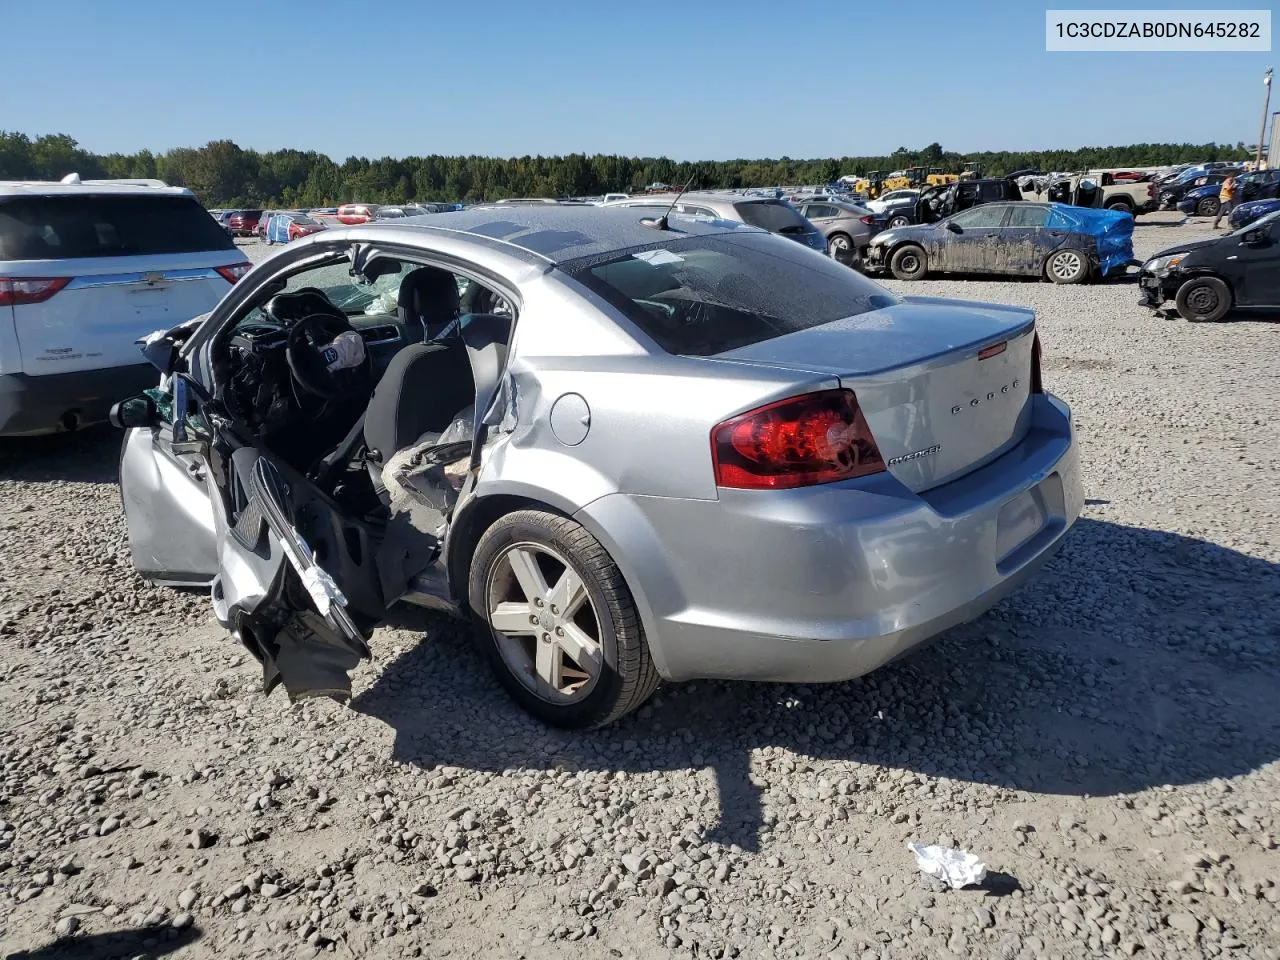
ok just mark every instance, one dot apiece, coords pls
pixel 87 268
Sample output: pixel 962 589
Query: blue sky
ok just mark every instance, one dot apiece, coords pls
pixel 707 79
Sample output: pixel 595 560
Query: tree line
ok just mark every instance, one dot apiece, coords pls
pixel 222 174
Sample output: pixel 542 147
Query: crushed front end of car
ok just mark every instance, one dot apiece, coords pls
pixel 1159 279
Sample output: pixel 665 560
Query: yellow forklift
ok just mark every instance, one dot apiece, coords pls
pixel 912 177
pixel 870 186
pixel 972 171
pixel 938 177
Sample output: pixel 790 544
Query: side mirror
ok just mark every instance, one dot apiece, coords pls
pixel 139 411
pixel 953 227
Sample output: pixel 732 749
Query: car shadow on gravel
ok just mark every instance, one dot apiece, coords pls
pixel 1138 658
pixel 145 942
pixel 91 455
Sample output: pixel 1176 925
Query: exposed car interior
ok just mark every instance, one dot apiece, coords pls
pixel 334 373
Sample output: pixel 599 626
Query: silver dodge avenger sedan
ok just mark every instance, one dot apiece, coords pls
pixel 631 447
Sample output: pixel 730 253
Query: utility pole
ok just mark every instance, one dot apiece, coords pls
pixel 1266 105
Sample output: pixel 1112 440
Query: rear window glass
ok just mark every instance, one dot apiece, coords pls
pixel 701 296
pixel 60 227
pixel 772 216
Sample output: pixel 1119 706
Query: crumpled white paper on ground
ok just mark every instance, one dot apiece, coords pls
pixel 956 868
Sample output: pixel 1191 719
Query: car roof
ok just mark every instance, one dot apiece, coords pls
pixel 49 188
pixel 558 233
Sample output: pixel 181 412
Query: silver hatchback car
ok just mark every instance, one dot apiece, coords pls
pixel 770 213
pixel 629 450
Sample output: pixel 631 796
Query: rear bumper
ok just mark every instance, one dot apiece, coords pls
pixel 60 401
pixel 831 582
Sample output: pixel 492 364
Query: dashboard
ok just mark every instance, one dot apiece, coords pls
pixel 383 337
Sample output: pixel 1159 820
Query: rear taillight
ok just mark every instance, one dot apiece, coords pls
pixel 1037 385
pixel 814 438
pixel 21 290
pixel 1151 189
pixel 869 220
pixel 234 272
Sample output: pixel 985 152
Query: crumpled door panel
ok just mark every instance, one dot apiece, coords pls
pixel 270 592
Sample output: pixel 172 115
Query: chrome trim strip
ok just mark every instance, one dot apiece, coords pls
pixel 148 277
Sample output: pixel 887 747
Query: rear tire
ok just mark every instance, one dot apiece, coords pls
pixel 1203 300
pixel 899 221
pixel 1208 207
pixel 1067 266
pixel 622 675
pixel 838 243
pixel 1121 206
pixel 909 262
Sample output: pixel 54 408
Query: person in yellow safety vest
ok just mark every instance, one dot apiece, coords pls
pixel 1226 199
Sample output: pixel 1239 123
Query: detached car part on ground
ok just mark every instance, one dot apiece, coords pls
pixel 1065 244
pixel 1208 278
pixel 629 452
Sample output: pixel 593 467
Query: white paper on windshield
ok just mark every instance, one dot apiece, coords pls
pixel 657 257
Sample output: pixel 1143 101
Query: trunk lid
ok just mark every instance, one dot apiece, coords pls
pixel 109 303
pixel 936 410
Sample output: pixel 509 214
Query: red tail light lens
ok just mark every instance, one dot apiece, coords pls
pixel 1037 384
pixel 234 272
pixel 798 442
pixel 1151 189
pixel 22 290
pixel 869 220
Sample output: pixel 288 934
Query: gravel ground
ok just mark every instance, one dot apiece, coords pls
pixel 1106 740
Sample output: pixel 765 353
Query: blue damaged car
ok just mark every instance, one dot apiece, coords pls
pixel 1064 243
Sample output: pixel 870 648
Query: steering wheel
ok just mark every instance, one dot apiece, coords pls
pixel 304 352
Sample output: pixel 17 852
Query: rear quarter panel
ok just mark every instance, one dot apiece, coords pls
pixel 649 414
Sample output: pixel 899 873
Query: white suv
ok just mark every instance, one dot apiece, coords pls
pixel 87 268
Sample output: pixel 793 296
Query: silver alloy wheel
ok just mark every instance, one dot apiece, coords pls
pixel 899 222
pixel 544 623
pixel 1066 265
pixel 838 242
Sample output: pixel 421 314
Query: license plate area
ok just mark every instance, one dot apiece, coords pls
pixel 1024 522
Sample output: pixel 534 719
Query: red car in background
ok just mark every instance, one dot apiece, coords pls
pixel 286 227
pixel 303 226
pixel 350 213
pixel 244 223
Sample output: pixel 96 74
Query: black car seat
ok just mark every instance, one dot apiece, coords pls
pixel 421 390
pixel 426 383
pixel 423 386
pixel 428 299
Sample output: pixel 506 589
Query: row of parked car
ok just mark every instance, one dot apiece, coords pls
pixel 292 224
pixel 1198 195
pixel 148 231
pixel 991 227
